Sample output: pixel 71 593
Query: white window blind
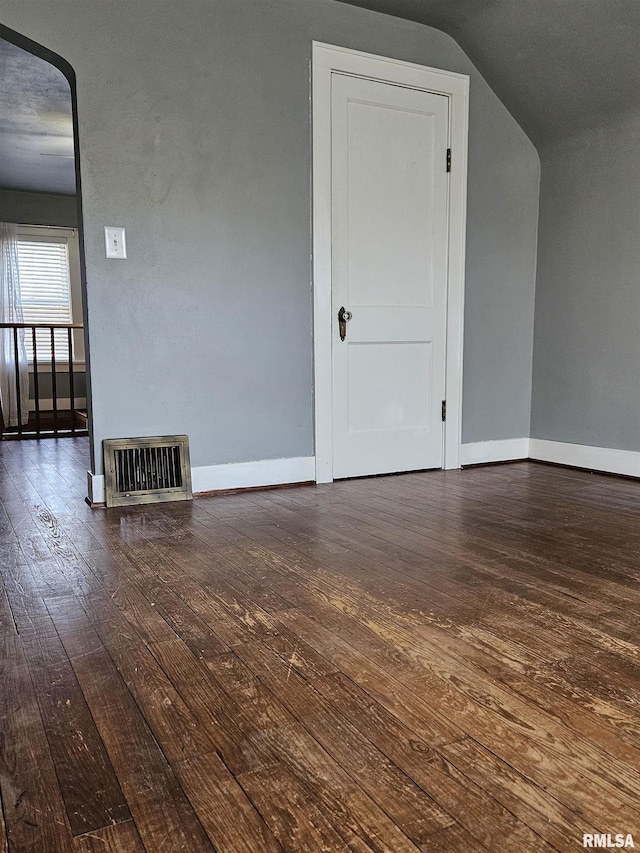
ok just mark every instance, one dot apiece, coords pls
pixel 46 294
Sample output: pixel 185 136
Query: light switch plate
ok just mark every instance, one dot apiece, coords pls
pixel 115 242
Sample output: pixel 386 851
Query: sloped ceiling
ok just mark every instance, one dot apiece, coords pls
pixel 36 124
pixel 559 66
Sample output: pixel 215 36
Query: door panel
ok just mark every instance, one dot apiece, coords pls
pixel 389 249
pixel 392 206
pixel 398 399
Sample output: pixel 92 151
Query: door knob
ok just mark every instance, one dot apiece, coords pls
pixel 343 317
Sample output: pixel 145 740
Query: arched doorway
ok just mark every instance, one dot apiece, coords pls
pixel 40 200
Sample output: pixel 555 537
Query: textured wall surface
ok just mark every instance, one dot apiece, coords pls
pixel 558 65
pixel 586 377
pixel 38 209
pixel 194 134
pixel 63 384
pixel 502 222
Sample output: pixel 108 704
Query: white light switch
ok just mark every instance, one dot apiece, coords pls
pixel 114 241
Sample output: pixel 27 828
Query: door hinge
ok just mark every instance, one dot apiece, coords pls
pixel 448 159
pixel 444 410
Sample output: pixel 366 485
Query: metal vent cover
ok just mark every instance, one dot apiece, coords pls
pixel 146 470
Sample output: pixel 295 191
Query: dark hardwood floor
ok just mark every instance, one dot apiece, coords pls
pixel 437 662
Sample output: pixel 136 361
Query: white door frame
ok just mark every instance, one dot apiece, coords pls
pixel 326 59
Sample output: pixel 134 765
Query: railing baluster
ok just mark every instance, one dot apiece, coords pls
pixel 16 366
pixel 54 384
pixel 72 396
pixel 36 387
pixel 37 426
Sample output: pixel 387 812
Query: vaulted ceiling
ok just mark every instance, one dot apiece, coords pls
pixel 559 66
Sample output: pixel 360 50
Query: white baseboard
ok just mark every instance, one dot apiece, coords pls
pixel 583 456
pixel 563 453
pixel 95 488
pixel 235 475
pixel 276 472
pixel 505 450
pixel 247 475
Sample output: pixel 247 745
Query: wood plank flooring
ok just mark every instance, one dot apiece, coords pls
pixel 436 662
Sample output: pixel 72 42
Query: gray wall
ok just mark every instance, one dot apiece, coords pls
pixel 502 222
pixel 586 376
pixel 194 135
pixel 63 384
pixel 38 208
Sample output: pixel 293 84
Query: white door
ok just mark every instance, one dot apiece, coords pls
pixel 389 270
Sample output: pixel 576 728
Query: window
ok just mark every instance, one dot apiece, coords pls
pixel 49 286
